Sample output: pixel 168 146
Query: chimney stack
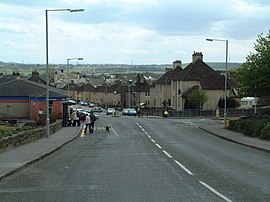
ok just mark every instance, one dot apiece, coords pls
pixel 177 63
pixel 196 56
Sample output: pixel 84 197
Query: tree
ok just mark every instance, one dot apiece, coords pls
pixel 254 74
pixel 196 99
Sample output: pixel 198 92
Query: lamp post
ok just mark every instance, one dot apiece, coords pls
pixel 226 77
pixel 129 96
pixel 69 71
pixel 47 65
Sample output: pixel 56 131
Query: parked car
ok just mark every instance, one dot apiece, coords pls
pixel 125 111
pixel 97 109
pixel 110 111
pixel 132 112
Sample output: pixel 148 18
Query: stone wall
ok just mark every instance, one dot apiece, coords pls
pixel 27 136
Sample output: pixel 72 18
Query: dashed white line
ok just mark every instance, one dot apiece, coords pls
pixel 215 191
pixel 146 133
pixel 149 136
pixel 167 154
pixel 183 167
pixel 153 140
pixel 158 146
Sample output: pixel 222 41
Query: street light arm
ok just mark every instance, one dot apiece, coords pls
pixel 66 9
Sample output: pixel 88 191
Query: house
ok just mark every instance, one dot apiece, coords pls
pixel 37 78
pixel 72 90
pixel 160 92
pixel 197 75
pixel 22 98
pixel 7 78
pixel 85 92
pixel 142 91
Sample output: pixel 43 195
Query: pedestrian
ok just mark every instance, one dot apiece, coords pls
pixel 78 118
pixel 73 118
pixel 92 124
pixel 87 123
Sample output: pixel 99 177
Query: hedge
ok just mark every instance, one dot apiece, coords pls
pixel 252 128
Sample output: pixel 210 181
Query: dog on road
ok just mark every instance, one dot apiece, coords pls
pixel 107 129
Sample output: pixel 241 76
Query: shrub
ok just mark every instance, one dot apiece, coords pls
pixel 265 134
pixel 235 125
pixel 251 128
pixel 254 128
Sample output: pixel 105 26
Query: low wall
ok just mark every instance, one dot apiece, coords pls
pixel 27 136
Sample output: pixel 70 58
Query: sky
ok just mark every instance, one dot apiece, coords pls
pixel 130 31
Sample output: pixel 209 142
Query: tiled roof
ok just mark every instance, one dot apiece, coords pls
pixel 22 87
pixel 200 71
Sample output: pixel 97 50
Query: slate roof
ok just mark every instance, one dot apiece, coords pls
pixel 23 87
pixel 142 86
pixel 200 71
pixel 169 75
pixel 7 78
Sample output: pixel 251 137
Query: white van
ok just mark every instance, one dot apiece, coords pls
pixel 248 102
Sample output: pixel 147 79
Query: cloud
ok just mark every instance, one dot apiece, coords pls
pixel 116 31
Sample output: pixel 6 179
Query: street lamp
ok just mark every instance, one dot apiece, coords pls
pixel 129 96
pixel 69 70
pixel 47 65
pixel 226 76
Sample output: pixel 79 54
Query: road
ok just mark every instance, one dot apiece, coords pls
pixel 145 160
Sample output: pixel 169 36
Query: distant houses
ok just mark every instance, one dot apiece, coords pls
pixel 171 90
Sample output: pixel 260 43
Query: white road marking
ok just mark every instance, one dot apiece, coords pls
pixel 82 132
pixel 146 132
pixel 114 131
pixel 149 136
pixel 183 167
pixel 167 154
pixel 153 140
pixel 215 191
pixel 158 146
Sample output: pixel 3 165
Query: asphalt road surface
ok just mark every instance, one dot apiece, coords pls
pixel 144 160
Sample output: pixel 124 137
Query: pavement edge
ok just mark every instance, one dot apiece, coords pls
pixel 22 166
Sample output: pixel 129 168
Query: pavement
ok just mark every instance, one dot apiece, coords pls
pixel 17 158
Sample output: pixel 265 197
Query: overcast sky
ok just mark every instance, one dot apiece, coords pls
pixel 130 31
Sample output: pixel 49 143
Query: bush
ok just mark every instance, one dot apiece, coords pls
pixel 235 125
pixel 251 128
pixel 265 134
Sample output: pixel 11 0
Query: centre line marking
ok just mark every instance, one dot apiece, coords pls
pixel 215 191
pixel 183 167
pixel 146 132
pixel 149 136
pixel 158 146
pixel 167 154
pixel 153 140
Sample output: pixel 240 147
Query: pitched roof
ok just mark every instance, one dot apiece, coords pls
pixel 23 87
pixel 7 78
pixel 141 86
pixel 169 75
pixel 200 71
